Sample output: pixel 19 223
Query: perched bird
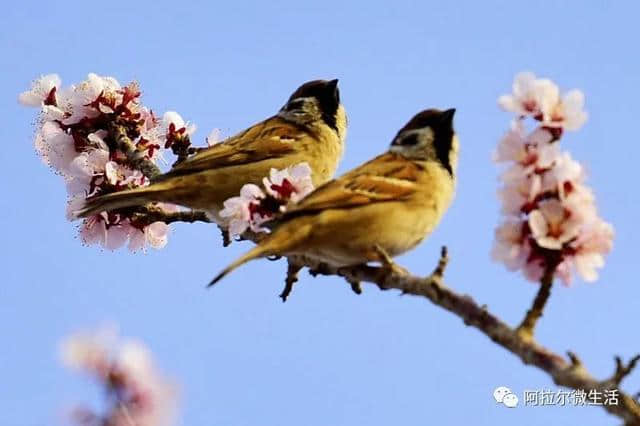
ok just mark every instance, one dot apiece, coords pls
pixel 310 127
pixel 382 208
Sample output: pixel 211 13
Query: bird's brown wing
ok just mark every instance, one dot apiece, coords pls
pixel 387 177
pixel 271 138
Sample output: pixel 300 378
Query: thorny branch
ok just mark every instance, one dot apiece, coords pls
pixel 571 374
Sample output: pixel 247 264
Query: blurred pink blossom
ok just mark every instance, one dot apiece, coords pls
pixel 510 247
pixel 531 96
pixel 552 225
pixel 567 113
pixel 550 215
pixel 136 393
pixel 540 99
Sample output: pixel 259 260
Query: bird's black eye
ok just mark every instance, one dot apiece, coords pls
pixel 409 140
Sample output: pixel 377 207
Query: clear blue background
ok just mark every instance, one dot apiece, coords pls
pixel 327 356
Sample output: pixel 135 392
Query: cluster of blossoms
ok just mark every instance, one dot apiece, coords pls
pixel 77 136
pixel 136 394
pixel 254 206
pixel 550 217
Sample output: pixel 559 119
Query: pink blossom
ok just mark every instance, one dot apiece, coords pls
pixel 117 235
pixel 151 137
pixel 120 175
pixel 551 219
pixel 83 98
pixel 93 230
pixel 254 207
pixel 42 92
pixel 533 270
pixel 238 211
pixel 531 96
pixel 509 247
pixel 56 146
pixel 42 148
pixel 46 93
pixel 513 145
pixel 75 203
pixel 565 172
pixel 83 171
pixel 172 119
pixel 534 151
pixel 552 225
pixel 71 138
pixel 89 351
pixel 293 183
pixel 590 247
pixel 519 191
pixel 136 393
pixel 102 230
pixel 567 113
pixel 155 234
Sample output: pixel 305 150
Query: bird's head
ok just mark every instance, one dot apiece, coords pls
pixel 317 101
pixel 429 135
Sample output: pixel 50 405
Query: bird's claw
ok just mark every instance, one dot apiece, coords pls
pixel 388 265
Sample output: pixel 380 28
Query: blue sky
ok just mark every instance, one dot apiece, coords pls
pixel 327 356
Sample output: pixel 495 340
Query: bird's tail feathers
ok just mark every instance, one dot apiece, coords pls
pixel 277 243
pixel 254 253
pixel 121 199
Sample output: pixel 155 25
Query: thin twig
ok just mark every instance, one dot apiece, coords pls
pixel 623 370
pixel 528 324
pixel 292 277
pixel 226 237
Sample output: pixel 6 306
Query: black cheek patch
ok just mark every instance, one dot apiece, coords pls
pixel 329 103
pixel 443 144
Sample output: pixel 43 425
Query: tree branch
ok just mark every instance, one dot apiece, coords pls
pixel 571 374
pixel 150 214
pixel 137 159
pixel 292 277
pixel 526 328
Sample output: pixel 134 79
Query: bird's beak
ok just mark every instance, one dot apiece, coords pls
pixel 332 89
pixel 447 116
